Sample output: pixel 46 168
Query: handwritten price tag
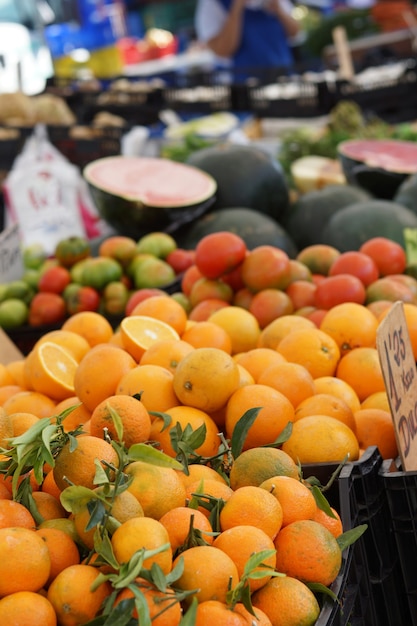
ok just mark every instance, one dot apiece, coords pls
pixel 11 262
pixel 400 376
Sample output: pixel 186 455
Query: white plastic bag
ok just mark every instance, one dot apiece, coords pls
pixel 46 195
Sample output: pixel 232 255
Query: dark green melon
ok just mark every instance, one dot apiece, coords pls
pixel 350 227
pixel 254 228
pixel 407 193
pixel 246 176
pixel 309 214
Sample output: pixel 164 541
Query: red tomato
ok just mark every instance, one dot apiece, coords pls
pixel 81 298
pixel 337 289
pixel 219 253
pixel 54 279
pixel 180 259
pixel 46 308
pixel 358 264
pixel 189 278
pixel 142 294
pixel 302 293
pixel 389 256
pixel 266 267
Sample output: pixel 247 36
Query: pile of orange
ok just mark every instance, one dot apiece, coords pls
pixel 159 379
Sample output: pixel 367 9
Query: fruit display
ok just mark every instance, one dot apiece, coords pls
pixel 180 437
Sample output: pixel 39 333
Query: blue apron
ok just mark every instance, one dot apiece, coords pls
pixel 264 42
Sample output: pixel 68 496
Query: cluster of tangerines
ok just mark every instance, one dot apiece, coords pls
pixel 153 470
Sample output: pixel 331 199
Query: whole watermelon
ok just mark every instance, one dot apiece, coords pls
pixel 309 214
pixel 350 227
pixel 255 229
pixel 246 176
pixel 407 193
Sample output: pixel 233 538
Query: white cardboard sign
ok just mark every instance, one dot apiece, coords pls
pixel 11 260
pixel 400 376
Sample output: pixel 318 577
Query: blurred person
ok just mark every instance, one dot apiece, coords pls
pixel 249 33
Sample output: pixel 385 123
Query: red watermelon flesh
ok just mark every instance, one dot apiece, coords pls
pixel 388 154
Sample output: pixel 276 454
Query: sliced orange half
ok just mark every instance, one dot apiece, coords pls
pixel 51 369
pixel 139 332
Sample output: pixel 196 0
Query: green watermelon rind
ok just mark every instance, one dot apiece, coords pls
pixel 350 227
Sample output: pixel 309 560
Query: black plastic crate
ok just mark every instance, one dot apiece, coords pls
pixel 401 490
pixel 393 100
pixel 370 588
pixel 289 96
pixel 199 92
pixel 376 551
pixel 352 607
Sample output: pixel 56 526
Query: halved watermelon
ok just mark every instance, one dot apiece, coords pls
pixel 138 195
pixel 378 165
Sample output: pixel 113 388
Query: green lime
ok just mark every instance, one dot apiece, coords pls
pixel 158 244
pixel 20 290
pixel 13 313
pixel 34 256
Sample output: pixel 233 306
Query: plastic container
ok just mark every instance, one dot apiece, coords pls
pixel 371 589
pixel 363 493
pixel 401 491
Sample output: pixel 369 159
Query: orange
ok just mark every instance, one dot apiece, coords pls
pixel 15 514
pixel 215 612
pixel 25 608
pixel 253 506
pixel 241 326
pixel 75 343
pixel 207 335
pixel 138 533
pixel 167 353
pixel 48 506
pixel 206 378
pixel 254 466
pixel 34 402
pixel 337 387
pixel 164 607
pixel 99 373
pixel 163 308
pixel 243 541
pixel 291 379
pixel 21 422
pixel 259 619
pixel 18 372
pixel 6 427
pixel 139 332
pixel 287 601
pixel 178 523
pixel 326 404
pixel 123 506
pixel 321 439
pixel 78 466
pixel 258 360
pixel 208 571
pixel 186 416
pixel 29 554
pixel 296 499
pixel 78 415
pixel 272 334
pixel 51 370
pixel 197 471
pixel 154 383
pixel 71 595
pixel 63 551
pixel 8 391
pixel 6 377
pixel 351 325
pixel 308 551
pixel 313 348
pixel 93 326
pixel 132 414
pixel 206 492
pixel 377 400
pixel 334 524
pixel 375 427
pixel 276 411
pixel 49 485
pixel 361 369
pixel 158 489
